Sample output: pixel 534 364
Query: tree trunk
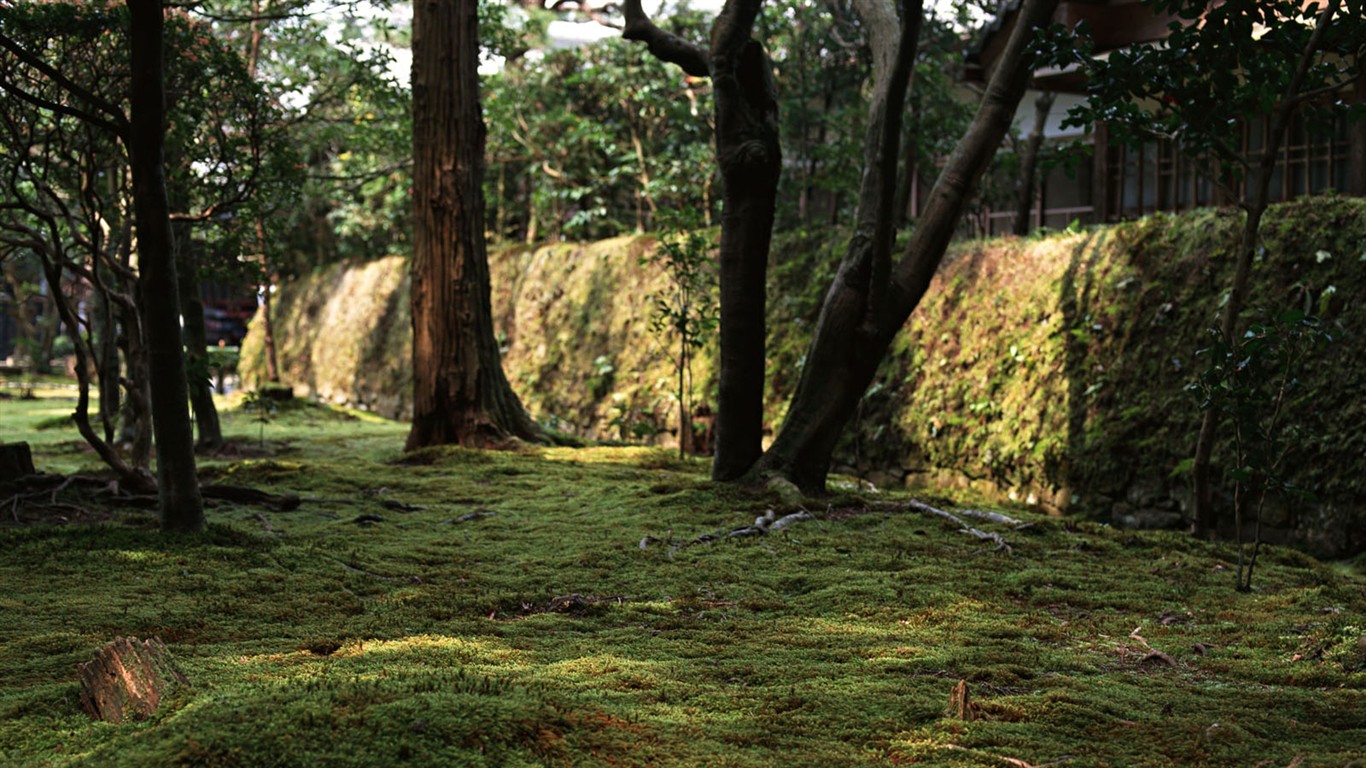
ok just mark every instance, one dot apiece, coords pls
pixel 182 509
pixel 866 306
pixel 136 428
pixel 910 165
pixel 460 394
pixel 254 38
pixel 107 359
pixel 750 160
pixel 196 343
pixel 1029 164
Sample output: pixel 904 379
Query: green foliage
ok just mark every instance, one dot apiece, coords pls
pixel 538 632
pixel 594 141
pixel 1251 383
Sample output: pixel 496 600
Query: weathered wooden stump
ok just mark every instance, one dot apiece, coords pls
pixel 127 679
pixel 16 462
pixel 960 702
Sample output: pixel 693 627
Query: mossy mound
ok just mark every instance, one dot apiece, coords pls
pixel 1048 369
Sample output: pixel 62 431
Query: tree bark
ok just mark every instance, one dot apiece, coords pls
pixel 1029 164
pixel 1206 515
pixel 750 159
pixel 460 394
pixel 867 303
pixel 182 509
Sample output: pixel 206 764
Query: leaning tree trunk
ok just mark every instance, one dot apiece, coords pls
pixel 866 304
pixel 460 394
pixel 750 159
pixel 182 509
pixel 1029 164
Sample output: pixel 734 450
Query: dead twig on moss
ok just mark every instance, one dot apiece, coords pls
pixel 767 523
pixel 963 527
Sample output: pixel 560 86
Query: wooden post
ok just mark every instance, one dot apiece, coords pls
pixel 1100 175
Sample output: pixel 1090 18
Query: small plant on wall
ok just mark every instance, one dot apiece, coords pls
pixel 1249 385
pixel 684 314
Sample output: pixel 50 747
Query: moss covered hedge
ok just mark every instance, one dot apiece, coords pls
pixel 1050 369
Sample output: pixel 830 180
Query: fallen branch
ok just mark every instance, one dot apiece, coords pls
pixel 995 517
pixel 767 523
pixel 963 527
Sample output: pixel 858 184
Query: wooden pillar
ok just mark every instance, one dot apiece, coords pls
pixel 1356 147
pixel 1100 175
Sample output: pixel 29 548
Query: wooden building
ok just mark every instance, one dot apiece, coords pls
pixel 1119 182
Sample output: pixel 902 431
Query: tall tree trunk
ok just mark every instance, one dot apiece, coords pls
pixel 182 509
pixel 1206 516
pixel 460 394
pixel 1029 164
pixel 870 300
pixel 750 159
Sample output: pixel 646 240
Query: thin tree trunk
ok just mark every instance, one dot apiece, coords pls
pixel 868 302
pixel 136 428
pixel 182 509
pixel 267 324
pixel 1029 164
pixel 910 152
pixel 1206 517
pixel 750 160
pixel 197 343
pixel 107 353
pixel 460 394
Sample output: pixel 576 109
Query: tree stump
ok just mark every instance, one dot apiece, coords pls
pixel 16 462
pixel 960 702
pixel 127 679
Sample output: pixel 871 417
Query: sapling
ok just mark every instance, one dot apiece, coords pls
pixel 1247 385
pixel 263 409
pixel 685 312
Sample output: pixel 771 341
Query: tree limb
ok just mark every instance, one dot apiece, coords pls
pixel 666 46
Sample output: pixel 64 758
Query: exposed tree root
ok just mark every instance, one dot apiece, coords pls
pixel 995 538
pixel 767 523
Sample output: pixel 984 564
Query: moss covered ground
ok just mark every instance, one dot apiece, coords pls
pixel 508 616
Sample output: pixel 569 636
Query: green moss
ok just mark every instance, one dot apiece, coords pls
pixel 509 616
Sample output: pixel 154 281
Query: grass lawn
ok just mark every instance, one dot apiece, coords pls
pixel 504 613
